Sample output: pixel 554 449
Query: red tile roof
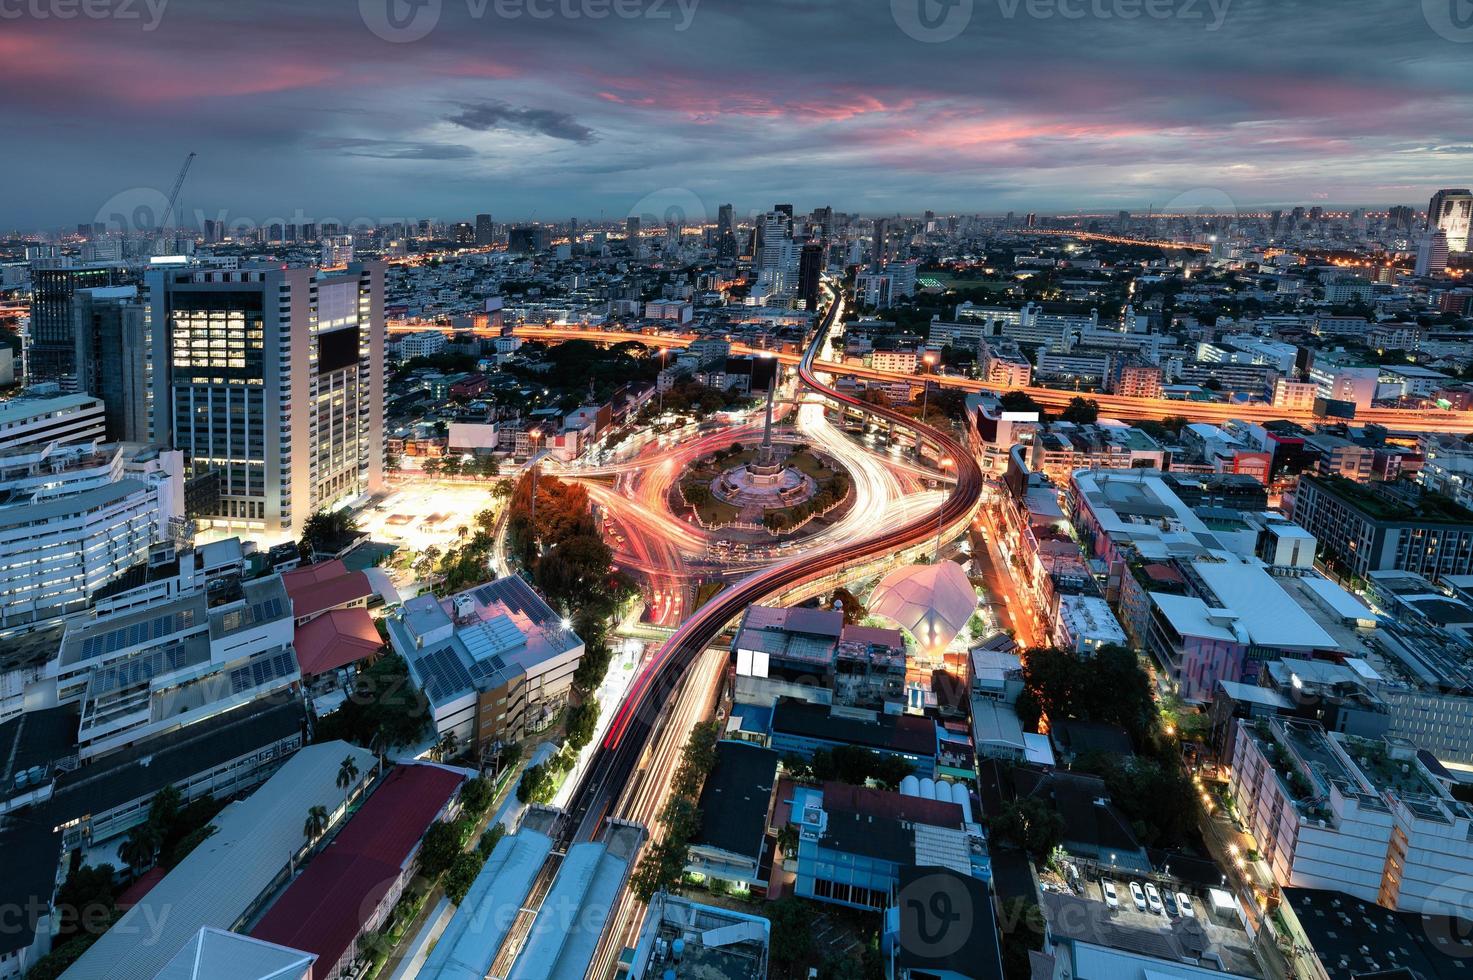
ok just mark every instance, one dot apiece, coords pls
pixel 336 639
pixel 324 910
pixel 314 594
pixel 311 574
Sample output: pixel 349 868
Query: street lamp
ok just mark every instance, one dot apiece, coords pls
pixel 946 463
pixel 929 360
pixel 659 381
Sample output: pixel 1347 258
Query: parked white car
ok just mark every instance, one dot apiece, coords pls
pixel 1153 899
pixel 1138 896
pixel 1184 902
pixel 1112 898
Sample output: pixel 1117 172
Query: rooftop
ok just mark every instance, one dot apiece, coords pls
pixel 478 639
pixel 736 798
pixel 322 911
pixel 908 734
pixel 1381 503
pixel 219 880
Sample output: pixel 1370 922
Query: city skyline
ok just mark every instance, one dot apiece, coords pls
pixel 1029 106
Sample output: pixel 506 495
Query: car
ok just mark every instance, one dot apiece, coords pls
pixel 1138 896
pixel 1184 902
pixel 1112 898
pixel 1168 900
pixel 1153 899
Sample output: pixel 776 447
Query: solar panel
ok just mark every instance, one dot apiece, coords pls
pixel 444 674
pixel 136 633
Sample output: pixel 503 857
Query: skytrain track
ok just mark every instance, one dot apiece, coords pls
pixel 619 755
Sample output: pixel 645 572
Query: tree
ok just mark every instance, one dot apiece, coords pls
pixel 316 823
pixel 462 874
pixel 441 844
pixel 325 528
pixel 849 604
pixel 787 840
pixel 1029 823
pixel 139 848
pixel 347 774
pixel 187 843
pixel 476 794
pixel 447 746
pixel 163 809
pixel 1081 411
pixel 490 839
pixel 487 467
pixel 1019 401
pixel 431 466
pixel 581 721
pixel 85 898
pixel 792 930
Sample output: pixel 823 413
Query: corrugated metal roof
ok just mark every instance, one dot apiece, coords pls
pixel 220 879
pixel 474 935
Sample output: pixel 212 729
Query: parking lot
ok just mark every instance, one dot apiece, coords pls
pixel 424 513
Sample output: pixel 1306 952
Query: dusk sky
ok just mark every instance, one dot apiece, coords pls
pixel 301 110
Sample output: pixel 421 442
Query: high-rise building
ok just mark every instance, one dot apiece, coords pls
pixel 273 380
pixel 112 358
pixel 726 243
pixel 485 230
pixel 1451 212
pixel 810 269
pixel 881 248
pixel 1432 254
pixel 337 250
pixel 465 233
pixel 631 226
pixel 53 281
pixel 1400 218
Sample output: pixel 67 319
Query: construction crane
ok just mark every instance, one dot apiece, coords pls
pixel 174 194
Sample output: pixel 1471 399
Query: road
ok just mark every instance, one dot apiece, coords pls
pixel 1111 406
pixel 628 774
pixel 629 734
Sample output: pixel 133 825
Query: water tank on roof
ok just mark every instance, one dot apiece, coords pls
pixel 963 799
pixel 910 785
pixel 678 948
pixel 928 788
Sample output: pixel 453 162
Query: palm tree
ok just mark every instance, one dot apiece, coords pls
pixel 448 744
pixel 139 848
pixel 316 824
pixel 347 773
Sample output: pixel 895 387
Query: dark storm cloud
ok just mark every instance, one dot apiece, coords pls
pixel 492 114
